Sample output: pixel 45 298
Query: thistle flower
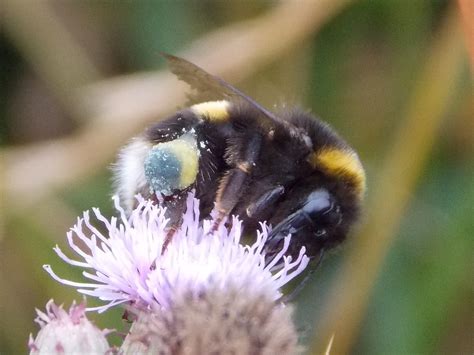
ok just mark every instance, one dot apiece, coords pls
pixel 67 332
pixel 205 293
pixel 128 265
pixel 218 321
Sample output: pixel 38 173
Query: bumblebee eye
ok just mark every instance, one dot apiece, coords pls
pixel 323 210
pixel 318 202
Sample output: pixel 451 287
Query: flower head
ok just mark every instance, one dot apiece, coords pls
pixel 127 264
pixel 218 321
pixel 65 332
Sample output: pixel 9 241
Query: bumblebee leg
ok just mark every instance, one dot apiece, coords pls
pixel 229 193
pixel 233 184
pixel 175 207
pixel 265 201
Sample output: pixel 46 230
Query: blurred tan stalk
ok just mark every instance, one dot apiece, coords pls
pixel 466 9
pixel 348 299
pixel 47 45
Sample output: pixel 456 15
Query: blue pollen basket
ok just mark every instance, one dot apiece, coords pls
pixel 162 170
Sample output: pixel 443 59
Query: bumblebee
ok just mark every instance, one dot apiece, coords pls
pixel 287 168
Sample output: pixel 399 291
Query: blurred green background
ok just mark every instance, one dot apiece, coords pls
pixel 360 71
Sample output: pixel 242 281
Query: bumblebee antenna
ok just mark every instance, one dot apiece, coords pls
pixel 297 290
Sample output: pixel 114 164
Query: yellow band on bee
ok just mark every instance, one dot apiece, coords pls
pixel 186 152
pixel 214 111
pixel 341 162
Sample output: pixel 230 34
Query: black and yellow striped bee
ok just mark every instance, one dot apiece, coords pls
pixel 287 168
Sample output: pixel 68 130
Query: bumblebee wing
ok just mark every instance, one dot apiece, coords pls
pixel 208 86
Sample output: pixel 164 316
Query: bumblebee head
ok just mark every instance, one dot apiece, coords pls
pixel 322 204
pixel 318 222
